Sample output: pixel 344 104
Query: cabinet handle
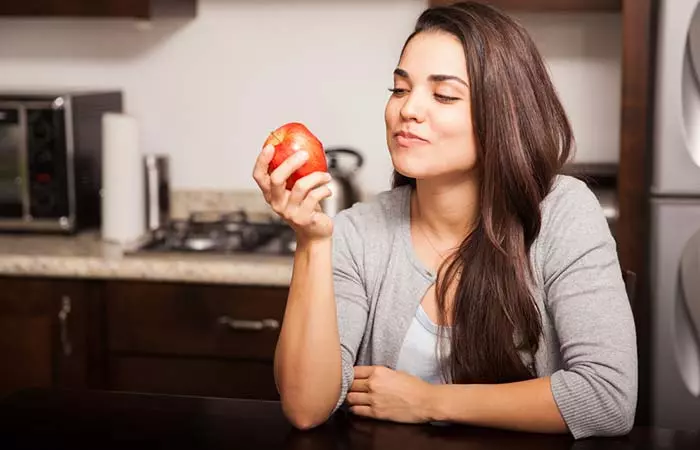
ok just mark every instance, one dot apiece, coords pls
pixel 63 320
pixel 249 325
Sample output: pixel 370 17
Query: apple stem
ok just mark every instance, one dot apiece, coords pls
pixel 276 137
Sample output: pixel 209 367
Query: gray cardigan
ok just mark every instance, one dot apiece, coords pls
pixel 588 345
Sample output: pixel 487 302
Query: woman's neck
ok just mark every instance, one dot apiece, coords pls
pixel 446 210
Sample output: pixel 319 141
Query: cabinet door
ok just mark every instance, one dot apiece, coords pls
pixel 193 339
pixel 42 333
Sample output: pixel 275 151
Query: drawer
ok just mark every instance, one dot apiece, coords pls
pixel 182 376
pixel 194 320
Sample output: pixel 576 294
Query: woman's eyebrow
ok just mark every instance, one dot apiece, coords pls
pixel 440 77
pixel 399 72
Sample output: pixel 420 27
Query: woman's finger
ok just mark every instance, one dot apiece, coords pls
pixel 359 398
pixel 304 185
pixel 360 385
pixel 365 411
pixel 364 371
pixel 313 199
pixel 278 179
pixel 260 175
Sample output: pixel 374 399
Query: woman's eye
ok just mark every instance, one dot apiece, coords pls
pixel 398 92
pixel 446 98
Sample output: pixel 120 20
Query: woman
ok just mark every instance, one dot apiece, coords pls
pixel 484 288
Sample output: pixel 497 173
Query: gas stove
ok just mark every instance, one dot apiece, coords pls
pixel 231 232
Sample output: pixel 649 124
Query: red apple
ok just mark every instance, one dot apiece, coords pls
pixel 291 138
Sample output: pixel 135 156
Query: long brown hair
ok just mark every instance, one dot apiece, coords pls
pixel 523 138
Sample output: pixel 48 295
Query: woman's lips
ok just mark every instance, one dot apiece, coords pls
pixel 406 139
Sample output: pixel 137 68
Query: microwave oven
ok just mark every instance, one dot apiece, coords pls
pixel 50 159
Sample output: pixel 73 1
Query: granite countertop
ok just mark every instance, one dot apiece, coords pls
pixel 86 256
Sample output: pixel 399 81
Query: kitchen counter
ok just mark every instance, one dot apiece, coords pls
pixel 86 256
pixel 97 419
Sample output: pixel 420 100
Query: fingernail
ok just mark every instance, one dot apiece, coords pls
pixel 328 177
pixel 302 156
pixel 269 148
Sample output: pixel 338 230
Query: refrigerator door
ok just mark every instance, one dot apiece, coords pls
pixel 675 288
pixel 677 122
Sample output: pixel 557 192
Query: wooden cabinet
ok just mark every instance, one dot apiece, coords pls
pixel 43 333
pixel 175 338
pixel 139 9
pixel 192 339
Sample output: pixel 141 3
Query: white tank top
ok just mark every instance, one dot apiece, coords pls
pixel 418 355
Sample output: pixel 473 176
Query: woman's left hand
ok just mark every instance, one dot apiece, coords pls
pixel 382 393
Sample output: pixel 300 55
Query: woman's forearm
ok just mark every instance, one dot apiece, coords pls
pixel 521 406
pixel 307 358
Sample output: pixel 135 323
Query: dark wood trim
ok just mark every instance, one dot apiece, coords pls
pixel 546 5
pixel 136 9
pixel 96 333
pixel 174 8
pixel 638 55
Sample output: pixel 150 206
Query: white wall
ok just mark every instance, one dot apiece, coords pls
pixel 208 91
pixel 584 53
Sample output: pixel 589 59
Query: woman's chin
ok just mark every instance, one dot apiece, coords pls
pixel 417 174
pixel 427 173
pixel 409 167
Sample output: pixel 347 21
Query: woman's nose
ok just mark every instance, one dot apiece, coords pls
pixel 413 107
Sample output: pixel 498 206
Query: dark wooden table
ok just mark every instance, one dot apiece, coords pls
pixel 53 419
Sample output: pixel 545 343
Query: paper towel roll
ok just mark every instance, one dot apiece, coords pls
pixel 123 212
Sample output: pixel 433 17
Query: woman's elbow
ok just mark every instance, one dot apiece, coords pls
pixel 305 415
pixel 618 418
pixel 304 421
pixel 610 422
pixel 620 423
pixel 616 426
pixel 624 410
pixel 608 411
pixel 627 424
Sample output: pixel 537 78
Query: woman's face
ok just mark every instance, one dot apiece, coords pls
pixel 428 116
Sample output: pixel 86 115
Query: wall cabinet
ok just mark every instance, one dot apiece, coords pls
pixel 138 9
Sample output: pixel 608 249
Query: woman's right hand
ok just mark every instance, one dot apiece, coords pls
pixel 300 207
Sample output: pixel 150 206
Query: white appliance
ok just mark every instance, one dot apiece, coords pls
pixel 675 214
